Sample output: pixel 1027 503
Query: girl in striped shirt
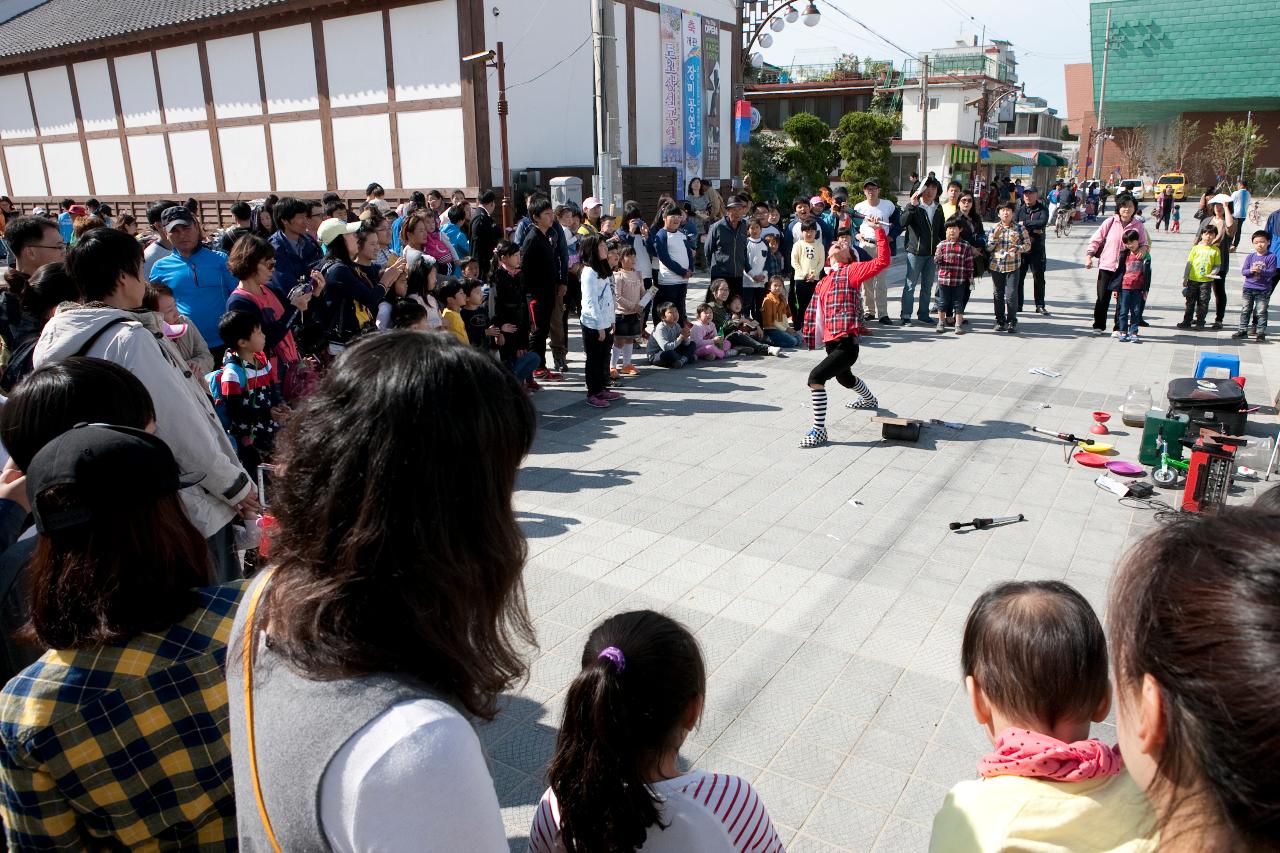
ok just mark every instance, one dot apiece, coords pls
pixel 615 785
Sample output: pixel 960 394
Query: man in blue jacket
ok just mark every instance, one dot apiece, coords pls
pixel 297 252
pixel 197 275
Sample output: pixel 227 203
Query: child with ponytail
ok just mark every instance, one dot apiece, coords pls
pixel 615 785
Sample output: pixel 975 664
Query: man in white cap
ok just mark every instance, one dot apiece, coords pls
pixel 876 210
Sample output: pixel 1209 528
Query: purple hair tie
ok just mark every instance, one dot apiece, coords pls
pixel 614 654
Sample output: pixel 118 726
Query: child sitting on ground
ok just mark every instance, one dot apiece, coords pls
pixel 628 323
pixel 246 388
pixel 669 345
pixel 1204 267
pixel 1035 664
pixel 615 779
pixel 705 337
pixel 744 334
pixel 775 316
pixel 1259 271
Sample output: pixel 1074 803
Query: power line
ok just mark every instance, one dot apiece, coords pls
pixel 563 60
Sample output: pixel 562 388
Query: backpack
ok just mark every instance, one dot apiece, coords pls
pixel 213 380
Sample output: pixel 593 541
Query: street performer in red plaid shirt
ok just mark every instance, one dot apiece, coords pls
pixel 834 320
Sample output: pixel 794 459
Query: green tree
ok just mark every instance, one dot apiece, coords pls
pixel 865 140
pixel 812 154
pixel 763 166
pixel 1232 147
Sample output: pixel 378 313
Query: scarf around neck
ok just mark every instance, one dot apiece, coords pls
pixel 1019 752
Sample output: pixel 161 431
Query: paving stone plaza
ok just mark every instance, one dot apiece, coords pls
pixel 824 585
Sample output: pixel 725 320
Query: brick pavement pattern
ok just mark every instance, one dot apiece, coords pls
pixel 824 586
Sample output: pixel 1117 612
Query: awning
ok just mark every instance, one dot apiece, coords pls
pixel 996 158
pixel 1044 158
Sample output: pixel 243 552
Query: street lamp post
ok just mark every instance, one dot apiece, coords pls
pixel 757 14
pixel 496 60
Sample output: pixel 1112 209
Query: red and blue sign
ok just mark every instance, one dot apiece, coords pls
pixel 742 122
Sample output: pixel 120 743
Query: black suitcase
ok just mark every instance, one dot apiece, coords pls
pixel 1217 404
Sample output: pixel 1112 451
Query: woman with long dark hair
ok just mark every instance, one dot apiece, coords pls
pixel 45 291
pixel 117 737
pixel 420 265
pixel 615 782
pixel 598 315
pixel 1195 650
pixel 389 614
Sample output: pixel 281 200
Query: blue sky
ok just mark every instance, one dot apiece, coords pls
pixel 1043 43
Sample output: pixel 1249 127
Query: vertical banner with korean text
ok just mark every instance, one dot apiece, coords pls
pixel 691 53
pixel 670 65
pixel 711 96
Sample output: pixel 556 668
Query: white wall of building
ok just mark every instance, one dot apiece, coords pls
pixel 549 77
pixel 951 119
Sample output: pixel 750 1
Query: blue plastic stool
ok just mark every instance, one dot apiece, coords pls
pixel 1217 359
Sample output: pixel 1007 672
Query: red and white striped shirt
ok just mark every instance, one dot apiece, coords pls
pixel 707 812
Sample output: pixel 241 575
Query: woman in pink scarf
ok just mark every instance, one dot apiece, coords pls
pixel 1035 665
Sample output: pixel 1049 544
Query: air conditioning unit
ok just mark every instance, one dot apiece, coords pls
pixel 991 132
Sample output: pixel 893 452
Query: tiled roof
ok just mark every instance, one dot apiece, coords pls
pixel 62 23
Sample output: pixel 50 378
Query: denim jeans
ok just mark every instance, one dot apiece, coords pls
pixel 779 338
pixel 1253 306
pixel 670 358
pixel 1131 303
pixel 921 271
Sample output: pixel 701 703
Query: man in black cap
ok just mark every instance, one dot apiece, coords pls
pixel 197 275
pixel 727 245
pixel 1034 216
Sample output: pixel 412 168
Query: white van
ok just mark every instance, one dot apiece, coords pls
pixel 1133 186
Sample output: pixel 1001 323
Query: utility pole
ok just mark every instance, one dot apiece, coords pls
pixel 1102 97
pixel 608 141
pixel 982 128
pixel 501 64
pixel 924 118
pixel 1244 152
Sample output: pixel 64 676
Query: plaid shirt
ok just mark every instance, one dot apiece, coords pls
pixel 124 745
pixel 1007 241
pixel 955 263
pixel 836 308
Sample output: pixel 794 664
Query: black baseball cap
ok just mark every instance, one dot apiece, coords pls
pixel 871 182
pixel 109 466
pixel 177 215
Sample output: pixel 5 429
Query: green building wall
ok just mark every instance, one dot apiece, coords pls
pixel 1174 56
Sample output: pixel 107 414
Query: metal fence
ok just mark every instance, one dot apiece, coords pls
pixel 971 64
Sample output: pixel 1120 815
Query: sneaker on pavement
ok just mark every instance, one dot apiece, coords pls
pixel 1199 327
pixel 1262 336
pixel 1000 327
pixel 553 376
pixel 613 373
pixel 629 370
pixel 540 373
pixel 1183 326
pixel 562 366
pixel 681 361
pixel 598 402
pixel 1124 339
pixel 941 327
pixel 775 350
pixel 1013 329
pixel 1115 333
pixel 1135 339
pixel 862 403
pixel 1217 325
pixel 732 351
pixel 814 438
pixel 610 395
pixel 1240 334
pixel 960 330
pixel 885 320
